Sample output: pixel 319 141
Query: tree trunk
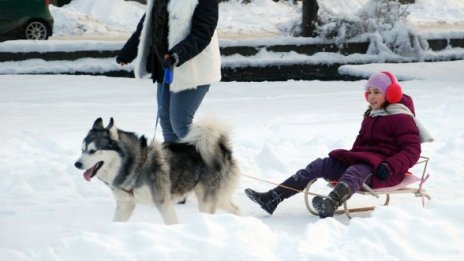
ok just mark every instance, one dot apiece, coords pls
pixel 310 8
pixel 407 1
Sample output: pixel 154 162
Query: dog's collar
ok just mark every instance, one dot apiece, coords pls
pixel 130 191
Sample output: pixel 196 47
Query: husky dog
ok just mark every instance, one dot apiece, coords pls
pixel 161 174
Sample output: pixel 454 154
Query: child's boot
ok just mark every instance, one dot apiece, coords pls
pixel 326 207
pixel 269 200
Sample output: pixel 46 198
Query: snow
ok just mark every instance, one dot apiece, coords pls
pixel 86 25
pixel 49 212
pixel 117 19
pixel 104 17
pixel 87 65
pixel 58 46
pixel 262 58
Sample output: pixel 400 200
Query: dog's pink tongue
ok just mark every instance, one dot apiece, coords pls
pixel 88 174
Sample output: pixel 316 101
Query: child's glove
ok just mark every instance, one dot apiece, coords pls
pixel 383 171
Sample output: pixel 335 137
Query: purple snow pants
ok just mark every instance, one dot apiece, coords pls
pixel 331 169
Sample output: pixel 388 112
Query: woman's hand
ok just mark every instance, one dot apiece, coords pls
pixel 171 60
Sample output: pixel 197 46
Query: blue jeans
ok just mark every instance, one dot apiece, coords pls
pixel 176 110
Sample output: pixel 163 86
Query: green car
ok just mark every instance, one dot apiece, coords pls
pixel 25 19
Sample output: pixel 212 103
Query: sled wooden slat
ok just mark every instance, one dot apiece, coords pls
pixel 417 191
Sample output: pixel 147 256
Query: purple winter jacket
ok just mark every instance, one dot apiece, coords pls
pixel 393 139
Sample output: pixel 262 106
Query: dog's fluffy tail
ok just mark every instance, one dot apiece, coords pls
pixel 211 139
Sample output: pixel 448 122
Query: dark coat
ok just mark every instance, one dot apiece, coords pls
pixel 204 22
pixel 393 139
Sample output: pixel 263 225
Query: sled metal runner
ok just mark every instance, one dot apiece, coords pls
pixel 366 190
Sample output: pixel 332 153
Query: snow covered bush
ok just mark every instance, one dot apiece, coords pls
pixel 385 24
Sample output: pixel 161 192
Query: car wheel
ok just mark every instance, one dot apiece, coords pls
pixel 36 30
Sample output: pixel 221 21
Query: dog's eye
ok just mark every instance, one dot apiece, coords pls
pixel 92 151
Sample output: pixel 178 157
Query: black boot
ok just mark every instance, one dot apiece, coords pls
pixel 326 207
pixel 269 200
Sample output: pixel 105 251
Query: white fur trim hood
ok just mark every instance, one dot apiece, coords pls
pixel 205 68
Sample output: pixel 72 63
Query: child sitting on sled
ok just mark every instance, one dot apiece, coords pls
pixel 388 144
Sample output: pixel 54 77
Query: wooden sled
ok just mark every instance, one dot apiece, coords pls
pixel 401 188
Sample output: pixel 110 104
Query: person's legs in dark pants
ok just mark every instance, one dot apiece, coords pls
pixel 350 182
pixel 320 168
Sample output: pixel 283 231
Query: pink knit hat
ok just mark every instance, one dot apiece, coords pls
pixel 387 84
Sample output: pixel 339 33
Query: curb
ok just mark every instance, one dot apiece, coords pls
pixel 274 71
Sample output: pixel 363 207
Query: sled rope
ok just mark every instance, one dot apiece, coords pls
pixel 280 185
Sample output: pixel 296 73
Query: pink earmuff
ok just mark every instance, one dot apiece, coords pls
pixel 394 93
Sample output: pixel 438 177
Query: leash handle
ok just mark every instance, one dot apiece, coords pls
pixel 168 75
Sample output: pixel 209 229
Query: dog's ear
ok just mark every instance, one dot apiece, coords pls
pixel 110 124
pixel 112 129
pixel 98 124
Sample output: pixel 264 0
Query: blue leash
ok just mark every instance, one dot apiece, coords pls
pixel 167 79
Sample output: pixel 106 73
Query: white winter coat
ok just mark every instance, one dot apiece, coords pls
pixel 205 68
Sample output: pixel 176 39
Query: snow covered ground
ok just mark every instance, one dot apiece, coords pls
pixel 49 212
